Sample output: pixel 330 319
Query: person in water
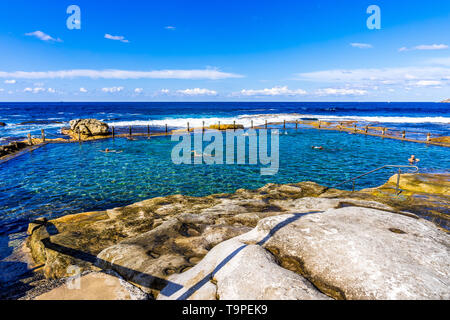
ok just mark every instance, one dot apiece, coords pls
pixel 110 151
pixel 200 154
pixel 413 160
pixel 317 147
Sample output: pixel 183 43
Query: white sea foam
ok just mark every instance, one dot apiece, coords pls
pixel 259 119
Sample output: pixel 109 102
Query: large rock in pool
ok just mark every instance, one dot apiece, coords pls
pixel 89 127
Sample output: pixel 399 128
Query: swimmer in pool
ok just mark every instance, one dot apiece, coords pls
pixel 110 151
pixel 413 160
pixel 200 154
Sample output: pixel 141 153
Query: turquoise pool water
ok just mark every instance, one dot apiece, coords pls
pixel 60 179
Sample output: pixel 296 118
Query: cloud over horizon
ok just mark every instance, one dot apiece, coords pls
pixel 197 92
pixel 361 45
pixel 116 38
pixel 210 74
pixel 425 47
pixel 275 91
pixel 42 36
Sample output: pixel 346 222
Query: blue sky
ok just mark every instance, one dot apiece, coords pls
pixel 224 51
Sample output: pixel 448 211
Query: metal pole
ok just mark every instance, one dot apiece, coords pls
pixel 188 126
pixel 234 125
pixel 203 126
pixel 148 129
pixel 403 134
pixel 43 135
pixel 284 124
pixel 166 128
pixel 252 125
pixel 30 142
pixel 266 125
pixel 296 124
pixel 219 125
pixel 130 131
pixel 113 132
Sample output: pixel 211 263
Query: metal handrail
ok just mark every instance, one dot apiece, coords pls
pixel 380 168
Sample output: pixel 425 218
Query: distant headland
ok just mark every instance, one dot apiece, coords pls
pixel 446 101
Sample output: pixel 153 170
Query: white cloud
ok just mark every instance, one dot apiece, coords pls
pixel 211 74
pixel 10 81
pixel 1 89
pixel 425 47
pixel 42 36
pixel 83 90
pixel 361 45
pixel 164 91
pixel 138 90
pixel 116 38
pixel 340 92
pixel 170 27
pixel 51 90
pixel 432 47
pixel 377 76
pixel 276 91
pixel 428 83
pixel 197 92
pixel 113 89
pixel 34 90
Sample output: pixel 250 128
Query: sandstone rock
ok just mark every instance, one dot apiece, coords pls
pixel 95 286
pixel 148 241
pixel 226 126
pixel 89 127
pixel 444 140
pixel 12 147
pixel 423 183
pixel 250 274
pixel 172 247
pixel 360 253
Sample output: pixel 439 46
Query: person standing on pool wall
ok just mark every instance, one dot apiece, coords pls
pixel 413 160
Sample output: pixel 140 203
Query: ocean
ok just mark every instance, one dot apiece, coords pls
pixel 24 118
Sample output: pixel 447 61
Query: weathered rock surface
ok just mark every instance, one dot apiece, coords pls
pixel 251 274
pixel 423 183
pixel 443 140
pixel 360 253
pixel 347 253
pixel 225 126
pixel 426 195
pixel 170 248
pixel 149 241
pixel 2 124
pixel 87 128
pixel 12 148
pixel 95 286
